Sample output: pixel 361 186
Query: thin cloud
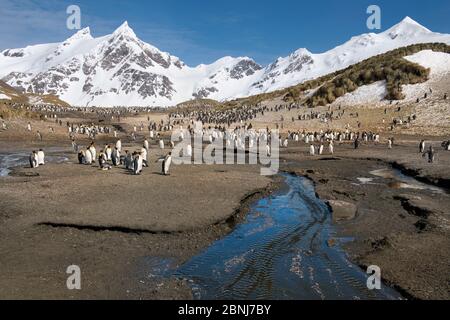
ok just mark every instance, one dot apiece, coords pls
pixel 26 22
pixel 29 22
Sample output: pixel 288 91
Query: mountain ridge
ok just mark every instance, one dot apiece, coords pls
pixel 120 69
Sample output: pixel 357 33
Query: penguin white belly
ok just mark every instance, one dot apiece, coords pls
pixel 36 160
pixel 88 157
pixel 41 158
pixel 167 163
pixel 93 153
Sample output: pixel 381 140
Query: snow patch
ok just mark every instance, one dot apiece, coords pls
pixel 438 62
pixel 370 94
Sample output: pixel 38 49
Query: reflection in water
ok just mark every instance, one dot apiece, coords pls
pixel 9 161
pixel 401 181
pixel 365 180
pixel 279 252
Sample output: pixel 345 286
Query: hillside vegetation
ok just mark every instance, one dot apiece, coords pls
pixel 27 98
pixel 7 112
pixel 7 109
pixel 14 94
pixel 390 66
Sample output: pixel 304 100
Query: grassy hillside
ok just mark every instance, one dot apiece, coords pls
pixel 14 94
pixel 195 103
pixel 390 66
pixel 8 112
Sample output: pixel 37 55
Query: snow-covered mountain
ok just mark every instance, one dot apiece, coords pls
pixel 302 65
pixel 120 69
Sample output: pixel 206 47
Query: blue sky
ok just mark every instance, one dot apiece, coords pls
pixel 202 31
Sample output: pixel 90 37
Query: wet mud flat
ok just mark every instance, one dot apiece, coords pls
pixel 396 222
pixel 106 222
pixel 281 250
pixel 63 215
pixel 20 159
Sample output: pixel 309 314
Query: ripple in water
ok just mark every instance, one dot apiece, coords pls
pixel 401 181
pixel 287 258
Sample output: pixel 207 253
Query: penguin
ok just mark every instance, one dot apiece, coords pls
pixel 321 149
pixel 267 150
pixel 312 150
pixel 128 161
pixel 161 144
pixel 93 152
pixel 102 158
pixel 167 160
pixel 430 154
pixel 81 157
pixel 115 157
pixel 146 144
pixel 140 162
pixel 41 157
pixel 189 150
pixel 331 148
pixel 108 152
pixel 135 164
pixel 119 145
pixel 144 156
pixel 88 156
pixel 422 146
pixel 34 162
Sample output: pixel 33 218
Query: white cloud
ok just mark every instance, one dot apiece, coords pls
pixel 28 22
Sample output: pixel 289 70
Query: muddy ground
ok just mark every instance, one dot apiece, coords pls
pixel 111 223
pixel 403 230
